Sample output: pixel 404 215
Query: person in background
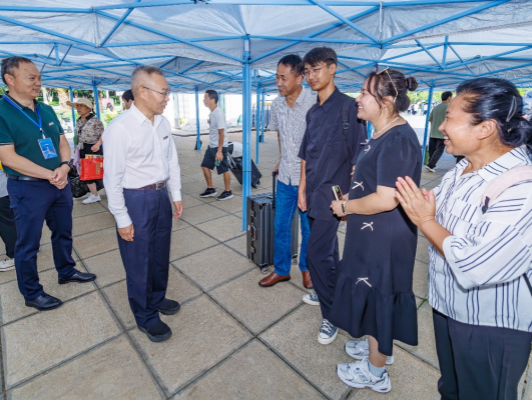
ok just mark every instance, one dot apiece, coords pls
pixel 480 254
pixel 141 164
pixel 288 118
pixel 373 293
pixel 328 154
pixel 36 158
pixel 127 100
pixel 89 131
pixel 436 142
pixel 8 231
pixel 216 152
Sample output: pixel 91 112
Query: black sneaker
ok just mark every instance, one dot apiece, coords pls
pixel 225 195
pixel 209 192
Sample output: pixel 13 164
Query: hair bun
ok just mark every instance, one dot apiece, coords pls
pixel 411 83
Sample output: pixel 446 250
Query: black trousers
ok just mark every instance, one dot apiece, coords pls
pixel 436 148
pixel 34 202
pixel 479 362
pixel 323 259
pixel 147 257
pixel 8 231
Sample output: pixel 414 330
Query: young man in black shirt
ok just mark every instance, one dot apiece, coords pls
pixel 332 141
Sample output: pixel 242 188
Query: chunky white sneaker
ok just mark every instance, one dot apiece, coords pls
pixel 327 333
pixel 358 375
pixel 430 169
pixel 7 265
pixel 312 299
pixel 92 199
pixel 359 349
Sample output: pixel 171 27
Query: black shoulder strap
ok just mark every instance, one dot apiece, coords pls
pixel 345 115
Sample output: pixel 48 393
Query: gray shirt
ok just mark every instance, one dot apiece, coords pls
pixel 3 184
pixel 217 121
pixel 291 124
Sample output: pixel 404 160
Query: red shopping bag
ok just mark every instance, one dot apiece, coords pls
pixel 91 169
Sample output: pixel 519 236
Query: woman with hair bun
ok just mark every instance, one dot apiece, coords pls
pixel 481 251
pixel 373 294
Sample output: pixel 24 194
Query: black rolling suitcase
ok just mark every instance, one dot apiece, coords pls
pixel 235 165
pixel 260 229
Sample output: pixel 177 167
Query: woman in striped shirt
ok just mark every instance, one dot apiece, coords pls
pixel 479 261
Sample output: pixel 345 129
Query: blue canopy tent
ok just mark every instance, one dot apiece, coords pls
pixel 233 45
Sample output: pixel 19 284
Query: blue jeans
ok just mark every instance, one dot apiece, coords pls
pixel 285 207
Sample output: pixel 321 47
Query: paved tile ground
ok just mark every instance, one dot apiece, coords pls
pixel 232 339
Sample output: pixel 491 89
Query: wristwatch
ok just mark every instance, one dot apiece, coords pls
pixel 344 209
pixel 66 163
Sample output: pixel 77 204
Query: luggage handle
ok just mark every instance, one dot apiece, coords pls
pixel 253 233
pixel 274 174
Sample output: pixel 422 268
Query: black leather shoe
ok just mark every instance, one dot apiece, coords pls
pixel 44 302
pixel 158 332
pixel 169 307
pixel 80 277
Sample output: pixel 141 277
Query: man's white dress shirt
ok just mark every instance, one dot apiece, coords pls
pixel 138 154
pixel 479 281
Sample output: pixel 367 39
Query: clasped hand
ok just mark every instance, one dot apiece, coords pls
pixel 419 205
pixel 59 177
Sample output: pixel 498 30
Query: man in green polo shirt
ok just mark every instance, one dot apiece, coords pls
pixel 36 158
pixel 436 142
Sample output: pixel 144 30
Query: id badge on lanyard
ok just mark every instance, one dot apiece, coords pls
pixel 46 145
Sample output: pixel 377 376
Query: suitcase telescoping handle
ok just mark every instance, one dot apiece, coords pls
pixel 274 175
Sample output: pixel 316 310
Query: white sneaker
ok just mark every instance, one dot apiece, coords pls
pixel 92 199
pixel 359 349
pixel 430 169
pixel 327 333
pixel 7 265
pixel 358 375
pixel 312 299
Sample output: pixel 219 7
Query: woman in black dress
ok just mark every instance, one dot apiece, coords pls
pixel 373 293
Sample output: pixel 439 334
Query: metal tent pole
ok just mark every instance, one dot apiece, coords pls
pixel 246 133
pixel 96 99
pixel 258 125
pixel 426 134
pixel 198 132
pixel 262 124
pixel 73 111
pixel 370 130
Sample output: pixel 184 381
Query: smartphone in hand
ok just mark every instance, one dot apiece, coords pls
pixel 337 192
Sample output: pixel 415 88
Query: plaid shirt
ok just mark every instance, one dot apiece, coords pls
pixel 291 124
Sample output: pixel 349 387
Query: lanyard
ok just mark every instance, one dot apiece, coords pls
pixel 39 125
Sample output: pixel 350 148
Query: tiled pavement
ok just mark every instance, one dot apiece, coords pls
pixel 232 339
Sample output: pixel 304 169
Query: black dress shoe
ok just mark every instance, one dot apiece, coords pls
pixel 77 277
pixel 44 302
pixel 169 307
pixel 158 332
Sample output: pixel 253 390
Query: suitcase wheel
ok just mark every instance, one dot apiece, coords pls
pixel 265 270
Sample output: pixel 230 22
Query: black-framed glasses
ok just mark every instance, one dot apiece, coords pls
pixel 312 72
pixel 165 94
pixel 391 80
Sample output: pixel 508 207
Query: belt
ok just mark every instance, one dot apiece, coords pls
pixel 25 178
pixel 153 186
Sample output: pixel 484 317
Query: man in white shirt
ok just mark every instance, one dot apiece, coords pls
pixel 216 153
pixel 140 162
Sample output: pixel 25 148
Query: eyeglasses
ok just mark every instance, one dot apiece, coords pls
pixel 165 94
pixel 312 72
pixel 391 80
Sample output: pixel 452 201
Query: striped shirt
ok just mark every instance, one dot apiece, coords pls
pixel 479 281
pixel 291 124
